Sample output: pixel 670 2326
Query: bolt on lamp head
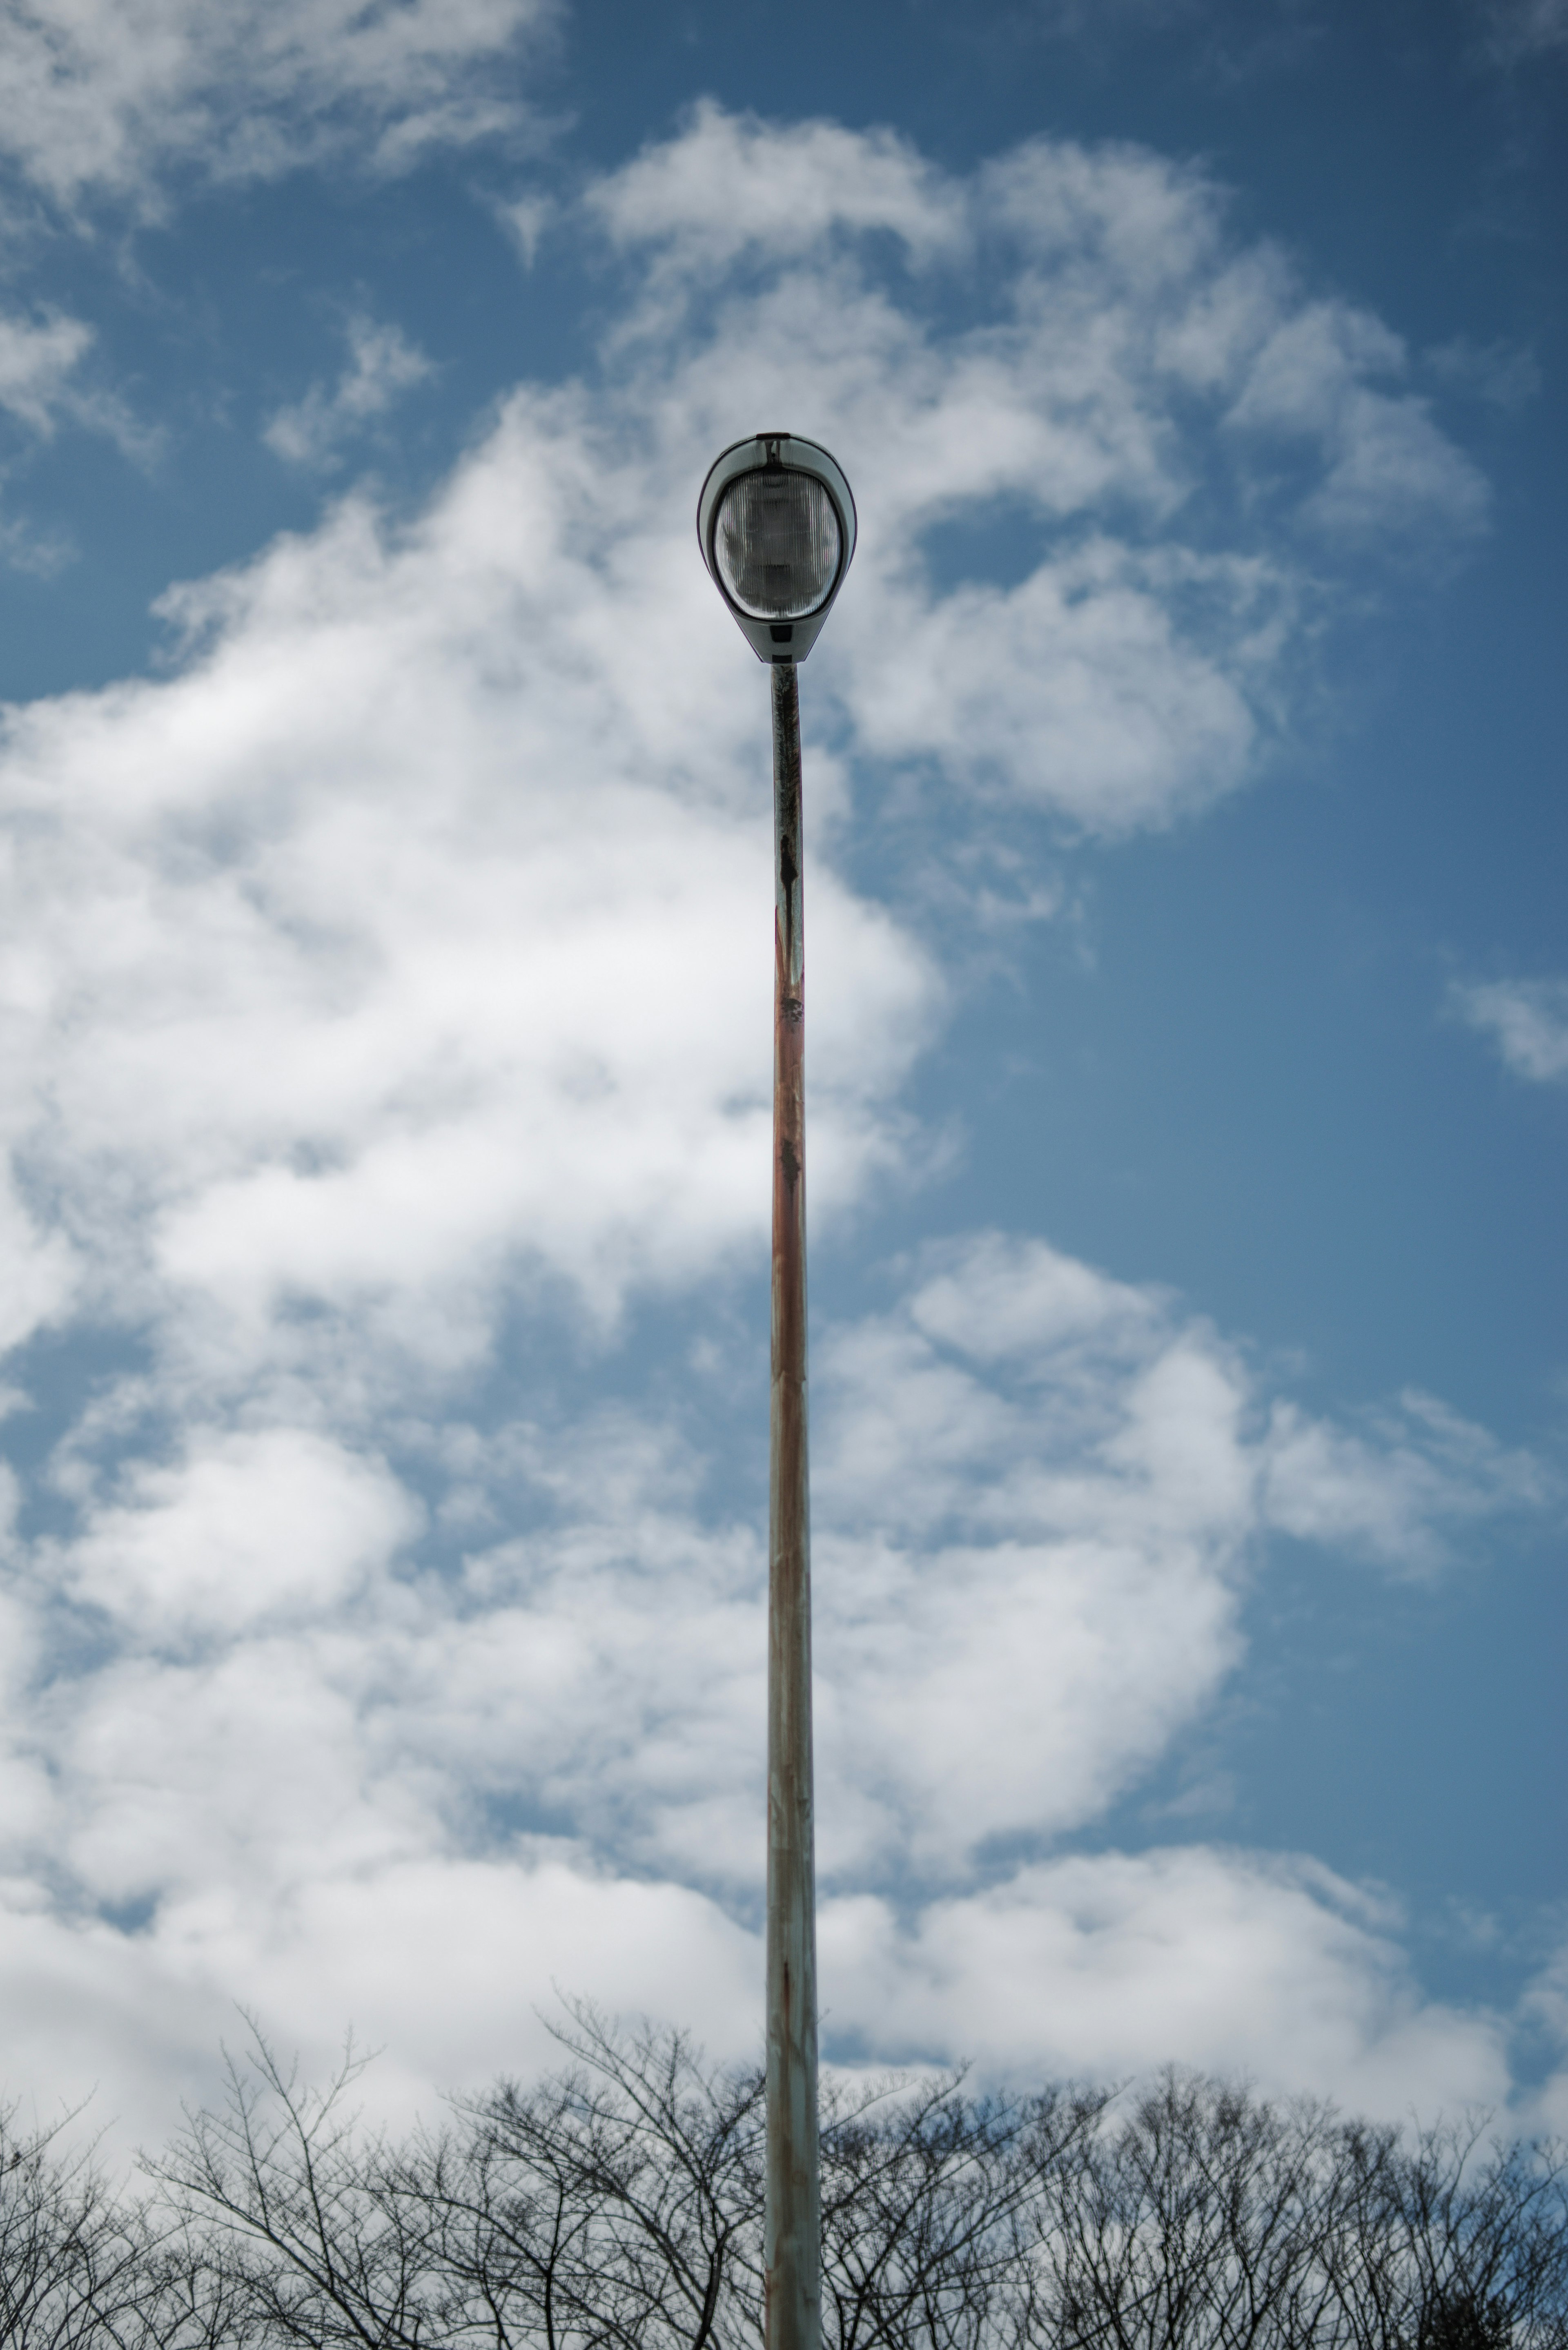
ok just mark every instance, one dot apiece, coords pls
pixel 777 526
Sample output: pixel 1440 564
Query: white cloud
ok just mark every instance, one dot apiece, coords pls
pixel 1316 376
pixel 1116 1963
pixel 383 364
pixel 1134 671
pixel 1527 1020
pixel 37 359
pixel 1126 723
pixel 416 934
pixel 1107 1965
pixel 525 220
pixel 450 1966
pixel 338 942
pixel 394 973
pixel 104 99
pixel 243 1528
pixel 1045 1493
pixel 1545 2013
pixel 732 184
pixel 1393 1491
pixel 326 1768
pixel 41 1268
pixel 41 362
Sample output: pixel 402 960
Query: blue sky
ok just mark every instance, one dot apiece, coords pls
pixel 384 997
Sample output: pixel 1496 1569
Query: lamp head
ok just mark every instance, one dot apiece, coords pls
pixel 777 526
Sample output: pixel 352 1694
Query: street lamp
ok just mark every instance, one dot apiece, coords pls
pixel 777 526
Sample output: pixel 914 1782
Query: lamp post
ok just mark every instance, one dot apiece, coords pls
pixel 777 526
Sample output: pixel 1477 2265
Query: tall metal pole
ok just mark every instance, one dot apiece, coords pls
pixel 793 2238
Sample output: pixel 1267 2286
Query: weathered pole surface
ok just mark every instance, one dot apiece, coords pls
pixel 793 2244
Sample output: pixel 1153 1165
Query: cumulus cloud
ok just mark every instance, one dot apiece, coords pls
pixel 340 1768
pixel 333 947
pixel 383 364
pixel 386 1021
pixel 1526 1019
pixel 1120 285
pixel 733 184
pixel 1054 319
pixel 103 99
pixel 1105 1964
pixel 41 1269
pixel 245 1527
pixel 416 929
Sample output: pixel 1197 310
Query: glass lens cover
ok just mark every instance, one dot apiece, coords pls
pixel 778 544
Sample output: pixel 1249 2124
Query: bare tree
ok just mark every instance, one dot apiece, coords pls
pixel 925 2193
pixel 301 2217
pixel 1451 2243
pixel 1212 2218
pixel 615 2206
pixel 618 2205
pixel 1198 2224
pixel 58 2234
pixel 79 2268
pixel 621 2195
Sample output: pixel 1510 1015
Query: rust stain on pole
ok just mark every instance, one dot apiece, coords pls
pixel 793 2247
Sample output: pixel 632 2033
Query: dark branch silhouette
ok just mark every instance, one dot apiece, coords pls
pixel 618 2204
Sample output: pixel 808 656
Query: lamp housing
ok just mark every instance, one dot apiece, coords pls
pixel 776 523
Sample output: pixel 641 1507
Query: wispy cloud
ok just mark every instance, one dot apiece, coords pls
pixel 105 100
pixel 1526 1019
pixel 41 363
pixel 45 388
pixel 383 364
pixel 1119 291
pixel 1522 30
pixel 1396 1488
pixel 38 359
pixel 525 220
pixel 1506 376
